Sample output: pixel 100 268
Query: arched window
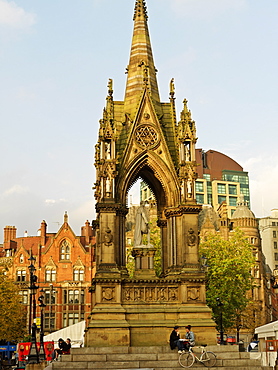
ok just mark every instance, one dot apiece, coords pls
pixel 21 258
pixel 65 251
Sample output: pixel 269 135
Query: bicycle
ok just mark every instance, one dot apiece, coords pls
pixel 207 358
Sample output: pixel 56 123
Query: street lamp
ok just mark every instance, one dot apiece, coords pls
pixel 220 305
pixel 42 305
pixel 33 357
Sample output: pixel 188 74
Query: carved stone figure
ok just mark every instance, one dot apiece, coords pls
pixel 191 238
pixel 108 237
pixel 141 225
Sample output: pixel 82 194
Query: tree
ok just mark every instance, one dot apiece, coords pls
pixel 12 315
pixel 228 275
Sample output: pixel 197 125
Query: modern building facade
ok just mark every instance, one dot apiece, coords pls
pixel 220 179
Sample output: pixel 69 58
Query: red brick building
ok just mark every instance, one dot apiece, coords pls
pixel 64 266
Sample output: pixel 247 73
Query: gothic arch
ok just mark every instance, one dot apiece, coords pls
pixel 156 174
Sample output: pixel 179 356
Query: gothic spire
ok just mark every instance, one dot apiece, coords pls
pixel 140 9
pixel 141 71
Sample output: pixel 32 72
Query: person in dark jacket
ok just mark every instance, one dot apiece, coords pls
pixel 63 347
pixel 175 339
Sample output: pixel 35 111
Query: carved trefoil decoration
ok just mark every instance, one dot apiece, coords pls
pixel 108 294
pixel 193 293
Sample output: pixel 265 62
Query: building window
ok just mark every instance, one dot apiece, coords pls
pixel 274 234
pixel 21 275
pixel 206 176
pixel 21 258
pixel 276 256
pixel 221 188
pixel 49 297
pixel 73 296
pixel 221 199
pixel 78 275
pixel 275 245
pixel 199 186
pixel 200 198
pixel 243 179
pixel 244 191
pixel 50 275
pixel 23 296
pixel 72 318
pixel 233 201
pixel 49 321
pixel 65 251
pixel 232 189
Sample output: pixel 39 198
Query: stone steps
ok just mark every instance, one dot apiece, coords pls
pixel 151 358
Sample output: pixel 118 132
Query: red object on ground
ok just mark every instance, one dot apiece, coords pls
pixel 24 349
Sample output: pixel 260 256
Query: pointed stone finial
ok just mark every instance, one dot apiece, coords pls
pixel 66 217
pixel 140 10
pixel 110 87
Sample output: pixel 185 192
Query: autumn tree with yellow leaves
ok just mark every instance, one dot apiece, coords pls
pixel 12 315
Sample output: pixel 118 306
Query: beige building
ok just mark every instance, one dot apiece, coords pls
pixel 269 234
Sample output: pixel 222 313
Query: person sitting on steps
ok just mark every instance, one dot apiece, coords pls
pixel 190 337
pixel 175 340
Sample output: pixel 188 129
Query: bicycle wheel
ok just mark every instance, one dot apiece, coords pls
pixel 208 359
pixel 186 359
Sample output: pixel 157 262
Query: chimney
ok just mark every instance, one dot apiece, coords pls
pixel 43 233
pixel 87 231
pixel 9 234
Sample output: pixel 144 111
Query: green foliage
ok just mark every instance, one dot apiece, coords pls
pixel 228 275
pixel 155 241
pixel 12 316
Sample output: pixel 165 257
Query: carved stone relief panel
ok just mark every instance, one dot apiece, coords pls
pixel 150 294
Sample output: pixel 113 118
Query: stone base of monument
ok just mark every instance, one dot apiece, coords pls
pixel 143 310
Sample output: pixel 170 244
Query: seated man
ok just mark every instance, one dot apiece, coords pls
pixel 175 340
pixel 190 337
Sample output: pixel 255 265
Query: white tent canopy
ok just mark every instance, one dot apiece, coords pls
pixel 268 331
pixel 75 332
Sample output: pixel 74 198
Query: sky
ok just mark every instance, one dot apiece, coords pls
pixel 56 58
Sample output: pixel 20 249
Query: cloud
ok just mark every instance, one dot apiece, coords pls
pixel 15 189
pixel 263 173
pixel 50 202
pixel 203 9
pixel 13 16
